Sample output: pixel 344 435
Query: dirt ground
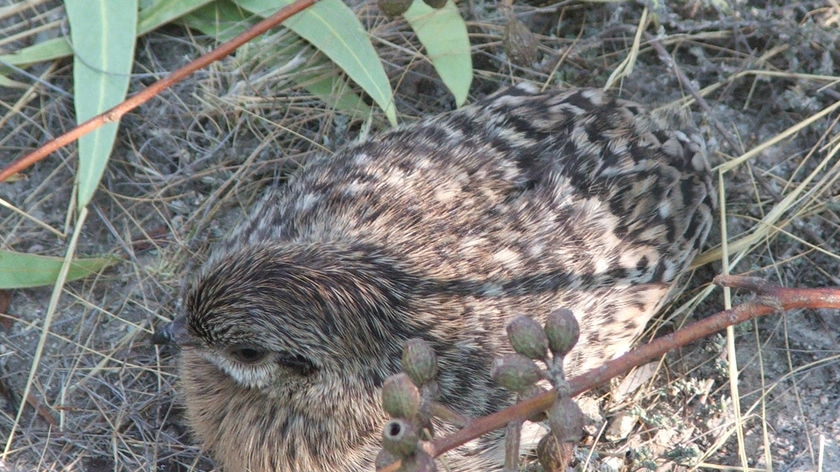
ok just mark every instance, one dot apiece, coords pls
pixel 188 163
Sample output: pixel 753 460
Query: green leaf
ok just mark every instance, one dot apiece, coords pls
pixel 444 35
pixel 103 36
pixel 40 52
pixel 7 82
pixel 153 14
pixel 332 27
pixel 221 19
pixel 334 90
pixel 18 270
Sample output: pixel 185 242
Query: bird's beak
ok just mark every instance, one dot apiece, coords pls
pixel 175 333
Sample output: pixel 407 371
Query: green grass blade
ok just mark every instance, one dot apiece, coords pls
pixel 444 35
pixel 103 34
pixel 332 27
pixel 19 270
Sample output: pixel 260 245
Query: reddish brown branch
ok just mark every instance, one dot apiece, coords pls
pixel 42 410
pixel 774 298
pixel 114 114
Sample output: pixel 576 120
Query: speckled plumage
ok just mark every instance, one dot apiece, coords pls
pixel 444 229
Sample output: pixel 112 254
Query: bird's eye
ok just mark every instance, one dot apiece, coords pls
pixel 247 354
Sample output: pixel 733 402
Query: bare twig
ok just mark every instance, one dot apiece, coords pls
pixel 42 410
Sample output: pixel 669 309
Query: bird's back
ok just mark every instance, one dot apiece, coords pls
pixel 521 203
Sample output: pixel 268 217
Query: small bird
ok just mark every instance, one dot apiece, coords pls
pixel 444 229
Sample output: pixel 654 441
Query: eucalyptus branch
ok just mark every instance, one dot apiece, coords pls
pixel 773 298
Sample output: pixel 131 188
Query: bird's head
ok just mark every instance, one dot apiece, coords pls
pixel 276 314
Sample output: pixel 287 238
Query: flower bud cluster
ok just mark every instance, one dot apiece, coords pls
pixel 549 343
pixel 520 373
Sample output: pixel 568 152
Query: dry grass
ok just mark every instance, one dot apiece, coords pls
pixel 189 162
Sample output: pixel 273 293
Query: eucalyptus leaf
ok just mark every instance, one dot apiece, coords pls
pixel 19 270
pixel 444 35
pixel 103 35
pixel 39 52
pixel 332 27
pixel 155 13
pixel 152 15
pixel 334 90
pixel 223 20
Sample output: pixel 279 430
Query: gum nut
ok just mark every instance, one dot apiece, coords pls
pixel 435 3
pixel 400 438
pixel 392 8
pixel 515 372
pixel 400 397
pixel 563 331
pixel 566 420
pixel 419 361
pixel 528 338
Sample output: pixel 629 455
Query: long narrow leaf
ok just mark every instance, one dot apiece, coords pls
pixel 153 14
pixel 40 52
pixel 444 35
pixel 103 35
pixel 223 20
pixel 334 90
pixel 160 12
pixel 332 27
pixel 18 270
